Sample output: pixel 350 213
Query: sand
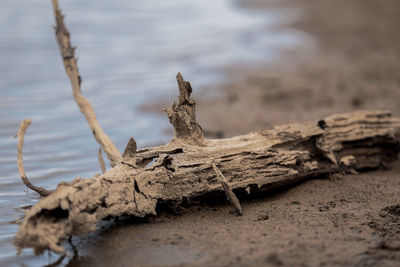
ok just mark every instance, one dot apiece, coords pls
pixel 353 65
pixel 334 221
pixel 351 220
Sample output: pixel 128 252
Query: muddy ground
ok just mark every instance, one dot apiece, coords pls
pixel 351 220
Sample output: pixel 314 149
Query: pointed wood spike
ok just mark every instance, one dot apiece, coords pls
pixel 129 155
pixel 130 149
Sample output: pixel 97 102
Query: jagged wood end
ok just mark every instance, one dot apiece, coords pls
pixel 21 135
pixel 71 68
pixel 76 207
pixel 182 116
pixel 375 122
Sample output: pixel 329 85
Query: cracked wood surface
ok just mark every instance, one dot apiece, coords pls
pixel 176 171
pixel 191 166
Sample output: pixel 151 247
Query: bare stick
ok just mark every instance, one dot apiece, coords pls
pixel 21 134
pixel 101 161
pixel 228 191
pixel 71 68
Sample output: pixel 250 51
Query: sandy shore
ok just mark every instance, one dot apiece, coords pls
pixel 351 220
pixel 341 221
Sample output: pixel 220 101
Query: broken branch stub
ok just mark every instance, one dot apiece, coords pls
pixel 71 68
pixel 182 116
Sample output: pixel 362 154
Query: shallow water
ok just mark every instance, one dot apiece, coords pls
pixel 129 53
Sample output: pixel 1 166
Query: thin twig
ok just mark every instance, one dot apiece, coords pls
pixel 228 191
pixel 71 68
pixel 21 134
pixel 101 161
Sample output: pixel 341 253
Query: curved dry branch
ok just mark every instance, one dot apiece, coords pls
pixel 21 134
pixel 71 68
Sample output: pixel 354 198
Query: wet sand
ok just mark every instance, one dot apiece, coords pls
pixel 323 222
pixel 350 220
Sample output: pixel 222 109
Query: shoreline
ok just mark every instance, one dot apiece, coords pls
pixel 334 221
pixel 352 66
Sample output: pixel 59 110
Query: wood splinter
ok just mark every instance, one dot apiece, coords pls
pixel 228 191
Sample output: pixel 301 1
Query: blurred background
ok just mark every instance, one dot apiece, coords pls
pixel 252 64
pixel 129 53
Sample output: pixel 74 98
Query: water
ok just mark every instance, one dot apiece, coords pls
pixel 129 53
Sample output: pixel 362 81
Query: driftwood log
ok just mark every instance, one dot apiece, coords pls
pixel 191 165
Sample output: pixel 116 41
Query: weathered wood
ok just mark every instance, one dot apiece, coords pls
pixel 182 116
pixel 274 157
pixel 71 68
pixel 20 163
pixel 228 191
pixel 191 166
pixel 101 161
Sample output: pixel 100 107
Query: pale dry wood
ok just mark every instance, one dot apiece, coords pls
pixel 101 161
pixel 259 161
pixel 182 116
pixel 21 135
pixel 228 191
pixel 180 171
pixel 71 68
pixel 129 155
